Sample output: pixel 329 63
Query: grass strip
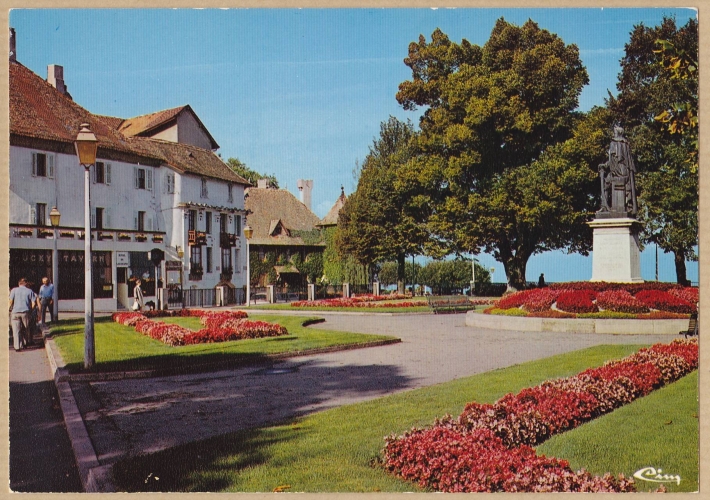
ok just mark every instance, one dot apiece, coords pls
pixel 121 348
pixel 659 430
pixel 333 451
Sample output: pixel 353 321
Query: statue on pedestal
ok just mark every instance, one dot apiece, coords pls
pixel 618 181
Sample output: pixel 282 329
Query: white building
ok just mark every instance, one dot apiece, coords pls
pixel 157 184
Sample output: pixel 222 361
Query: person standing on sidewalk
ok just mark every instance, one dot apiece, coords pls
pixel 22 304
pixel 138 297
pixel 46 294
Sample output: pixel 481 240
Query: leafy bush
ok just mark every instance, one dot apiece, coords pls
pixel 505 312
pixel 608 315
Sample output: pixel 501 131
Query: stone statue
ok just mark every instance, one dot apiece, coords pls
pixel 618 179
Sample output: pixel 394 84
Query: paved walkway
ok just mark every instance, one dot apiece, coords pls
pixel 127 417
pixel 41 456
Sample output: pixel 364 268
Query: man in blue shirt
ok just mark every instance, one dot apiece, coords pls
pixel 22 304
pixel 46 296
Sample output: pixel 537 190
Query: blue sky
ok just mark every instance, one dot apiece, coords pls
pixel 300 93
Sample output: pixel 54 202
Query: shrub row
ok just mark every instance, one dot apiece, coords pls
pixel 220 327
pixel 487 448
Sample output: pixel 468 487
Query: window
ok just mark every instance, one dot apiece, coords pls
pixel 226 259
pixel 143 178
pixel 141 221
pixel 208 260
pixel 102 173
pixel 237 225
pixel 41 214
pixel 191 220
pixel 203 190
pixel 99 220
pixel 208 222
pixel 236 260
pixel 230 196
pixel 170 183
pixel 223 223
pixel 43 165
pixel 195 260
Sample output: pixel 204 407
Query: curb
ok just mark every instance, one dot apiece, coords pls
pixel 95 478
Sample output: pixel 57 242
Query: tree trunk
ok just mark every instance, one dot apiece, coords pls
pixel 400 273
pixel 680 271
pixel 515 267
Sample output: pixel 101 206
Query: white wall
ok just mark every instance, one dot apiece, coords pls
pixel 190 132
pixel 66 191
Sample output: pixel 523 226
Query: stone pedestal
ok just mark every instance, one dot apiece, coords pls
pixel 616 257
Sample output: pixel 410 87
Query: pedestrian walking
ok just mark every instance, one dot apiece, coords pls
pixel 137 297
pixel 22 305
pixel 541 281
pixel 46 300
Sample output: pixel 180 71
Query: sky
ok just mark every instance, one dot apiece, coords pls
pixel 301 93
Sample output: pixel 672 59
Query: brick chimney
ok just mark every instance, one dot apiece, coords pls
pixel 13 46
pixel 305 187
pixel 55 77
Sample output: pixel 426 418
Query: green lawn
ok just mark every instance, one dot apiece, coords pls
pixel 120 347
pixel 333 451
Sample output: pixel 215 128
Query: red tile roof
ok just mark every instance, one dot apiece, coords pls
pixel 271 206
pixel 143 125
pixel 39 111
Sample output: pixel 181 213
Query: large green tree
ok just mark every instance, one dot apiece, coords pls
pixel 251 175
pixel 373 225
pixel 485 176
pixel 657 103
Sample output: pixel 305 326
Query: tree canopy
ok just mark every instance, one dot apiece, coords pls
pixel 251 175
pixel 373 225
pixel 658 103
pixel 492 168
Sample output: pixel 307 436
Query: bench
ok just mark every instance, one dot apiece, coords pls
pixel 692 326
pixel 450 304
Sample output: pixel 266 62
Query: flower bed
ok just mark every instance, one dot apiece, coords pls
pixel 353 302
pixel 602 300
pixel 577 301
pixel 220 326
pixel 487 448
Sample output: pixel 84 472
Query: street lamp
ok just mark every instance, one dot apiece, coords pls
pixel 86 145
pixel 473 275
pixel 54 217
pixel 248 232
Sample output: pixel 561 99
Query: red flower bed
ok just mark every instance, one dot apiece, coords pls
pixel 688 294
pixel 620 301
pixel 221 327
pixel 533 300
pixel 577 301
pixel 237 329
pixel 664 301
pixel 487 447
pixel 352 302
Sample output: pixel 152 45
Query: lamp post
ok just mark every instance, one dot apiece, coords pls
pixel 86 146
pixel 248 232
pixel 54 217
pixel 473 275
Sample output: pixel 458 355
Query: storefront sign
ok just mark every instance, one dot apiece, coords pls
pixel 173 265
pixel 122 259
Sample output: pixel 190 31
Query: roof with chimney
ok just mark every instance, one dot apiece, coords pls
pixel 39 111
pixel 277 216
pixel 331 218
